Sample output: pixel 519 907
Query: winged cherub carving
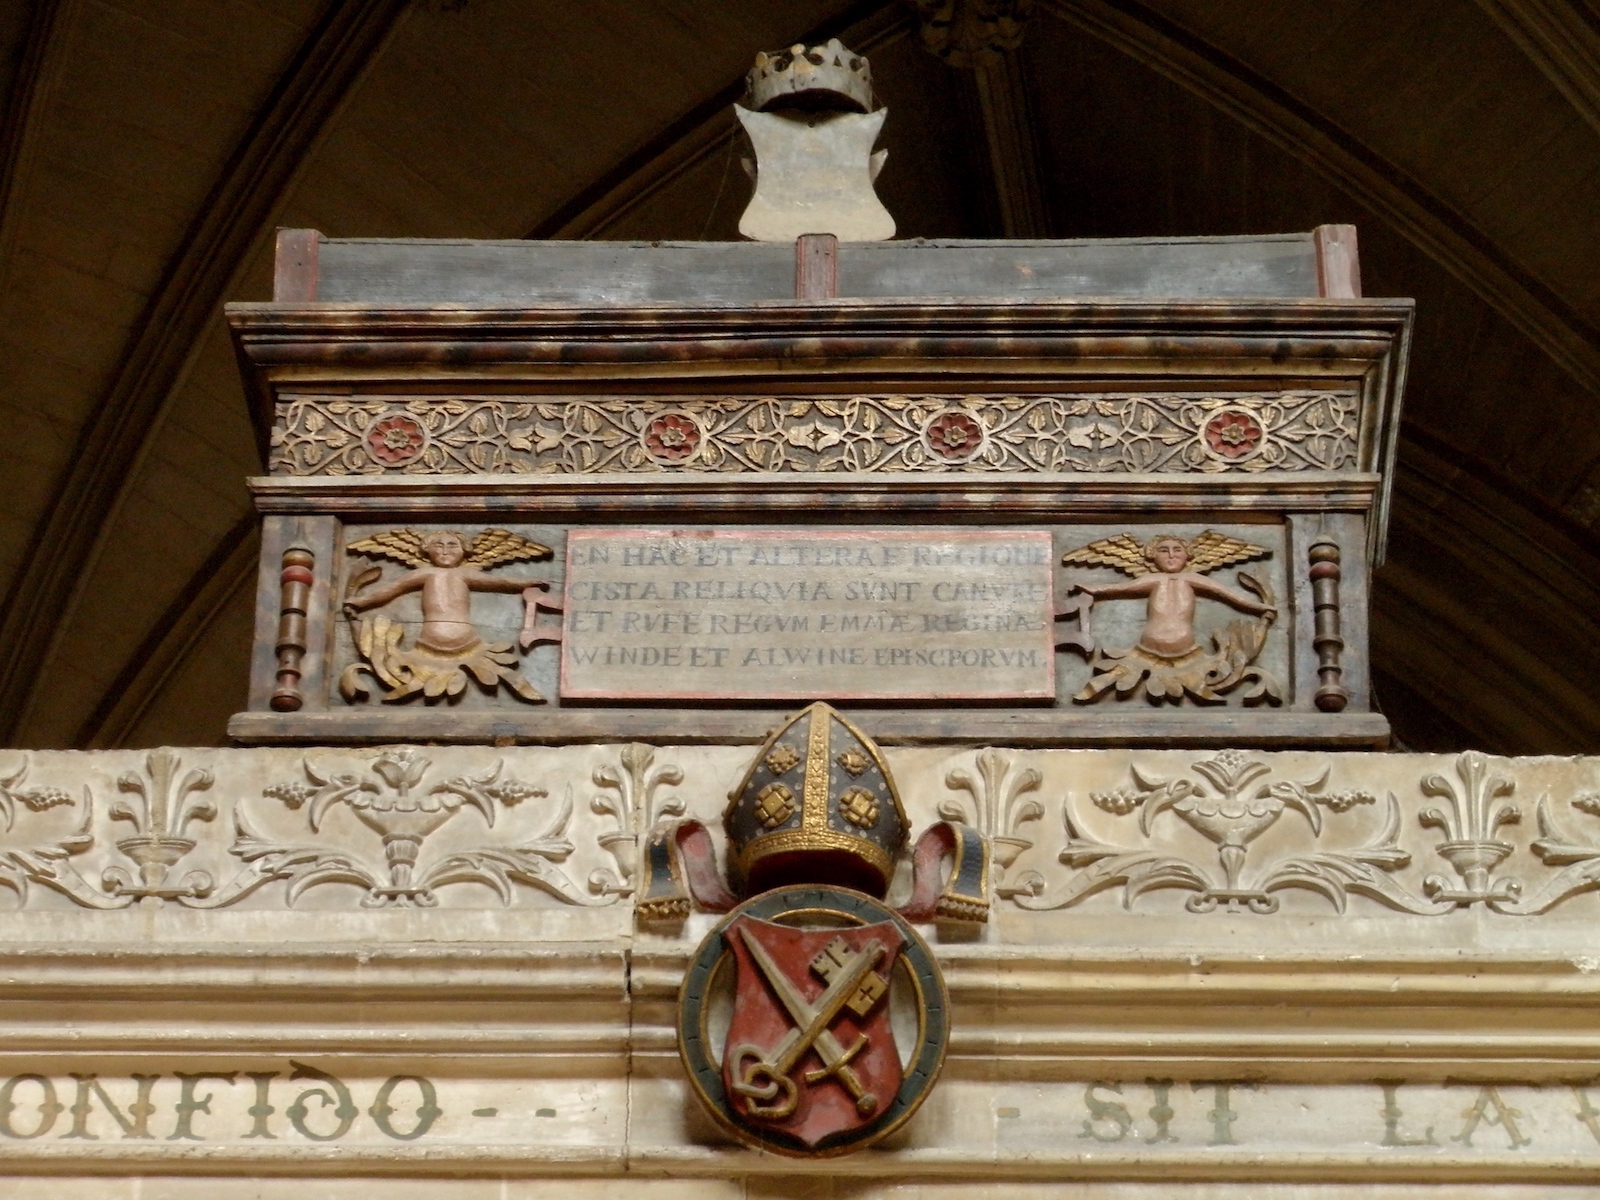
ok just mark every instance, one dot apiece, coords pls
pixel 1169 573
pixel 446 570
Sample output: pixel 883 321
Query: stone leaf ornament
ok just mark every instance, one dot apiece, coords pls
pixel 1000 806
pixel 629 799
pixel 397 804
pixel 1232 803
pixel 401 828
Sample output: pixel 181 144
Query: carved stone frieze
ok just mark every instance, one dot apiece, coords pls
pixel 998 809
pixel 392 827
pixel 1577 857
pixel 629 799
pixel 42 858
pixel 1470 823
pixel 1169 834
pixel 160 805
pixel 1231 800
pixel 1098 433
pixel 397 803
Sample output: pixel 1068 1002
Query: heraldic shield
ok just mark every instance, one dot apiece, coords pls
pixel 810 1063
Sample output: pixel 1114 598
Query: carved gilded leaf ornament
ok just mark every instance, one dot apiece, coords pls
pixel 446 570
pixel 1167 663
pixel 1102 433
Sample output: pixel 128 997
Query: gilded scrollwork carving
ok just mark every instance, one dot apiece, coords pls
pixel 999 811
pixel 446 569
pixel 630 801
pixel 1100 433
pixel 1168 662
pixel 1234 801
pixel 396 803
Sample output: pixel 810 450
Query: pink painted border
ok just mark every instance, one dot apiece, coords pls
pixel 908 535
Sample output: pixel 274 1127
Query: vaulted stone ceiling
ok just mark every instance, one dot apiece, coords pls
pixel 149 147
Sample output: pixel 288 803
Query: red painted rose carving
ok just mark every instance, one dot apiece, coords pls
pixel 395 441
pixel 672 438
pixel 1233 433
pixel 954 436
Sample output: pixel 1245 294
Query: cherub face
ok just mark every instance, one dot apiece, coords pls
pixel 1168 555
pixel 444 549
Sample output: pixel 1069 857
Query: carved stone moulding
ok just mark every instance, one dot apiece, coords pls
pixel 1079 848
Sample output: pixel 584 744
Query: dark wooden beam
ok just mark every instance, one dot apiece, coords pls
pixel 1440 230
pixel 243 201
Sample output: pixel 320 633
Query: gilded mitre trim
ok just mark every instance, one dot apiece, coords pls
pixel 792 810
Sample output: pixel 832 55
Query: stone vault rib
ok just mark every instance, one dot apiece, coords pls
pixel 310 91
pixel 1295 127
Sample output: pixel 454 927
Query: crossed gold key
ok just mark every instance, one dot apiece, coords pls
pixel 760 1077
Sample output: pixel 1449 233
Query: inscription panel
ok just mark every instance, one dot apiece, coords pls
pixel 799 614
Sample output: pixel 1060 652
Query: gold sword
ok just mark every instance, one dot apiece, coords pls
pixel 812 1023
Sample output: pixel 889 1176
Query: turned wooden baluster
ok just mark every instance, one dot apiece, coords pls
pixel 1332 695
pixel 294 595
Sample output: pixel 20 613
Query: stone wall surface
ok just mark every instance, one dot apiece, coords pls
pixel 417 970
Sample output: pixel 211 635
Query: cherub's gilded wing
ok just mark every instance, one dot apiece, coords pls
pixel 1122 552
pixel 402 545
pixel 493 547
pixel 1212 550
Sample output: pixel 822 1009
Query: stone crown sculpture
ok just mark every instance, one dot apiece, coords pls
pixel 810 77
pixel 808 112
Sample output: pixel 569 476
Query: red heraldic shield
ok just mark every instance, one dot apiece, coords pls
pixel 810 1052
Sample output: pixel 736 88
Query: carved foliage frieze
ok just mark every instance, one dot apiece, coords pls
pixel 403 806
pixel 1230 800
pixel 1190 833
pixel 1097 433
pixel 1236 832
pixel 395 828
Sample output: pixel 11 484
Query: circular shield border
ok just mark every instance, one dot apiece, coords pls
pixel 920 1074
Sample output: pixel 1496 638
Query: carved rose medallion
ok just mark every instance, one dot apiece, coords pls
pixel 954 436
pixel 1233 434
pixel 672 438
pixel 784 1021
pixel 396 440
